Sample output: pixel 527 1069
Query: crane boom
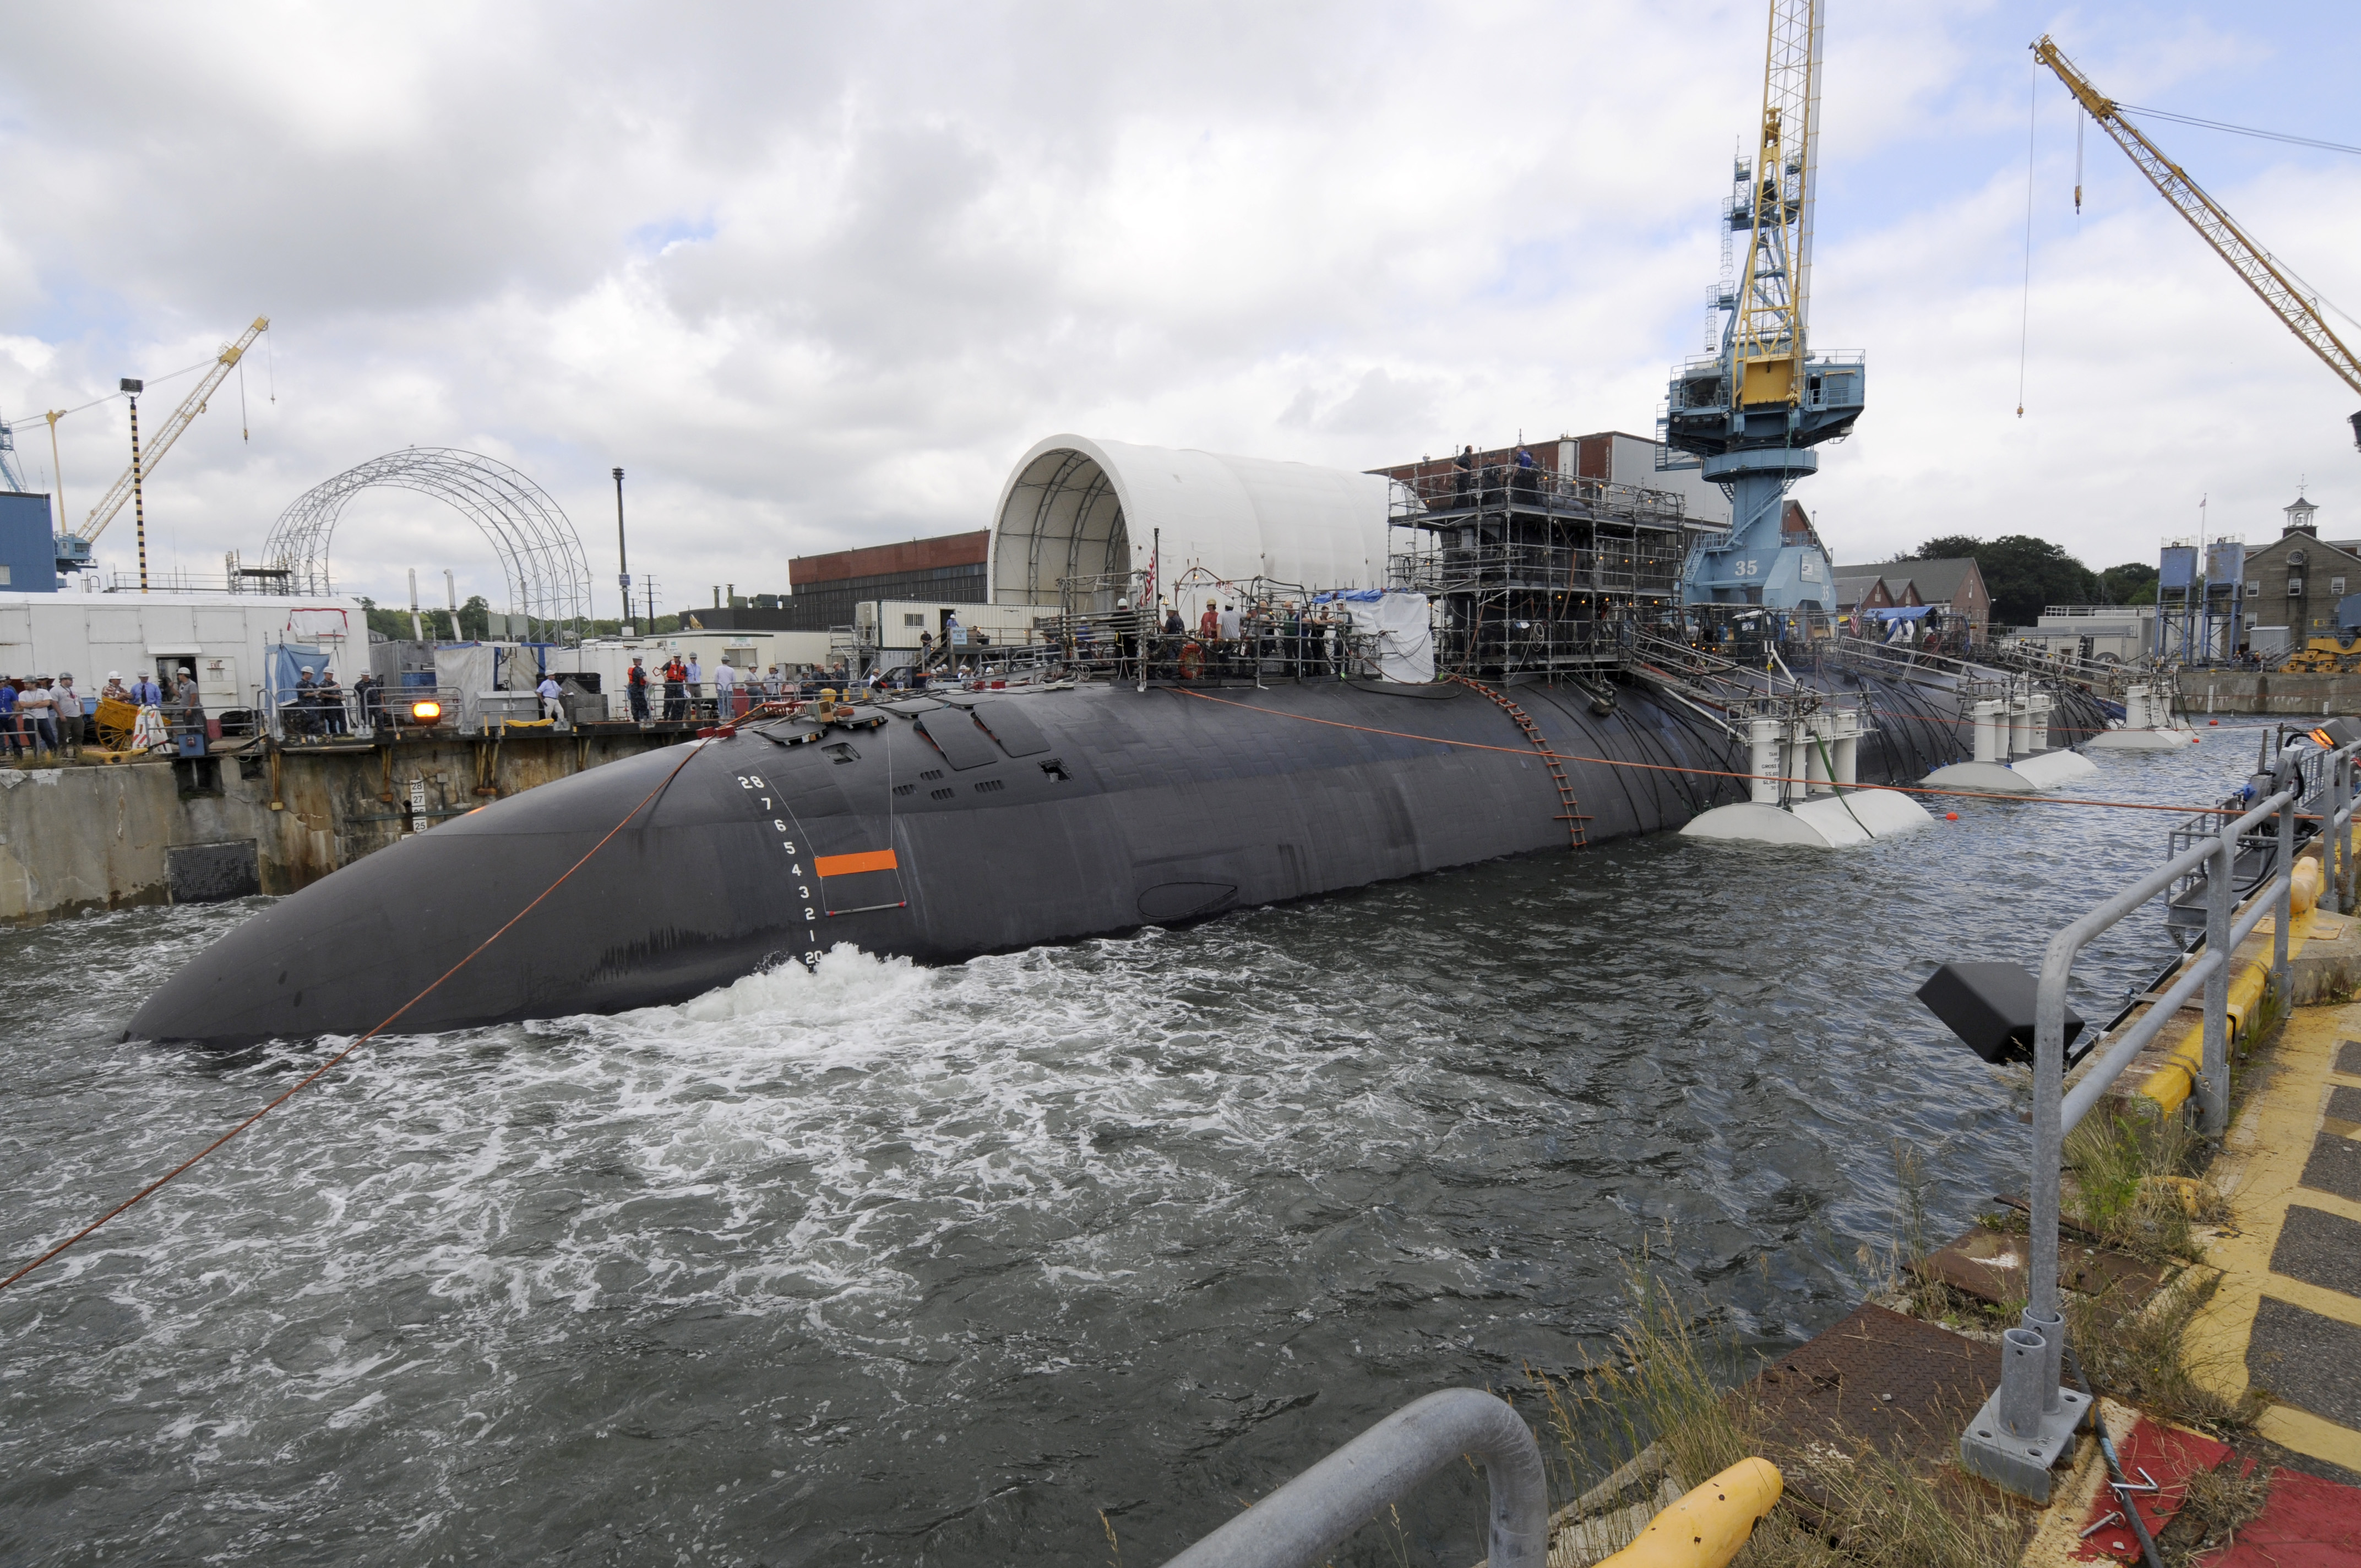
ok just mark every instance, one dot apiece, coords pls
pixel 152 451
pixel 2262 274
pixel 1774 290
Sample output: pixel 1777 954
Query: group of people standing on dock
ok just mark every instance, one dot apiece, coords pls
pixel 50 718
pixel 41 716
pixel 679 685
pixel 317 707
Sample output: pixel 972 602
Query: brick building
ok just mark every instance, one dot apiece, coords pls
pixel 948 569
pixel 2296 580
pixel 1957 584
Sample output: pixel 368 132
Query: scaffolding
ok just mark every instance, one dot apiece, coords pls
pixel 1536 571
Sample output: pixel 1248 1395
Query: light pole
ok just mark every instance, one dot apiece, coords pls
pixel 622 556
pixel 132 388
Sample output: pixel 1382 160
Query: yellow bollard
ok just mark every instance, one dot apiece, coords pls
pixel 2304 889
pixel 1705 1528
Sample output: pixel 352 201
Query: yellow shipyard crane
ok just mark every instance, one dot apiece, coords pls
pixel 73 544
pixel 2277 288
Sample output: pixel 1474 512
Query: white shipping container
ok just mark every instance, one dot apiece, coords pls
pixel 220 636
pixel 897 623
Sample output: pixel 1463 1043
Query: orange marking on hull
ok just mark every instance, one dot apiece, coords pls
pixel 846 865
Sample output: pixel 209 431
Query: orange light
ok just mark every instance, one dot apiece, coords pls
pixel 427 711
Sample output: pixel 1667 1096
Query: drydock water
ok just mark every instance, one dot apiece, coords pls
pixel 881 1262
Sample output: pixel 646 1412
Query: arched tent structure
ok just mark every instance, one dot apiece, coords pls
pixel 1079 508
pixel 541 555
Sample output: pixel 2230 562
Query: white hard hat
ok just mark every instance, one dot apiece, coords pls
pixel 114 674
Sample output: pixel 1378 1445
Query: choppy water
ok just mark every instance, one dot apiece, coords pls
pixel 883 1263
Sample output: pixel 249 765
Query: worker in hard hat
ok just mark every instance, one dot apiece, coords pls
pixel 635 688
pixel 71 708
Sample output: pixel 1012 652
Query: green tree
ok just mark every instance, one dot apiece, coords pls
pixel 2133 582
pixel 1949 547
pixel 391 624
pixel 2022 573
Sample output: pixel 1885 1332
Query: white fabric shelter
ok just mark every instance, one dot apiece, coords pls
pixel 1079 508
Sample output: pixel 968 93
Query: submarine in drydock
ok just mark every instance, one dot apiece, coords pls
pixel 941 828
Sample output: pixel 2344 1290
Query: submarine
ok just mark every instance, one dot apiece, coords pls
pixel 1543 689
pixel 942 828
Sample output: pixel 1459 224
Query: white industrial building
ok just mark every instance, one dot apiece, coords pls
pixel 220 636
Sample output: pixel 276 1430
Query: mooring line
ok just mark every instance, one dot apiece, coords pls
pixel 389 1020
pixel 1711 772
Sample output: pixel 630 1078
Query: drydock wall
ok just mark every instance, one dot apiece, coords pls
pixel 2231 691
pixel 78 839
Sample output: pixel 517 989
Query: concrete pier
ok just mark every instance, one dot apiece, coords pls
pixel 259 816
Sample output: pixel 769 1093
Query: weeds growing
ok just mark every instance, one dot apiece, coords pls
pixel 2133 1187
pixel 2143 1359
pixel 1862 1507
pixel 2220 1502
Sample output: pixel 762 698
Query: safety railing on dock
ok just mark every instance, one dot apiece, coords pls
pixel 1305 1520
pixel 2031 1358
pixel 1301 1523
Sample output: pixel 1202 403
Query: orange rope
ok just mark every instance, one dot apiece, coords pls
pixel 1705 773
pixel 356 1045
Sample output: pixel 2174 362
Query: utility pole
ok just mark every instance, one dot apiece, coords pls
pixel 132 388
pixel 622 556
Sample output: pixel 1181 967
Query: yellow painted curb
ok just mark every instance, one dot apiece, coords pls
pixel 2058 1538
pixel 2260 1169
pixel 2307 1433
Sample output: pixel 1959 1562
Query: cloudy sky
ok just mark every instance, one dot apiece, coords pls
pixel 816 275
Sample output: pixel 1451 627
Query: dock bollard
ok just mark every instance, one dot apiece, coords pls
pixel 1705 1528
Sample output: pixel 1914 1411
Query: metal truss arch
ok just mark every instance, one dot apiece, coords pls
pixel 541 555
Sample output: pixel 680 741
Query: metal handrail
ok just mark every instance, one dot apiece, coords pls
pixel 2056 1112
pixel 1298 1525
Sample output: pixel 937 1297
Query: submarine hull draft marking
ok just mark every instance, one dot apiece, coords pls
pixel 1137 807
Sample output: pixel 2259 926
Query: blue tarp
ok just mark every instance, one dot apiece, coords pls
pixel 283 664
pixel 1902 612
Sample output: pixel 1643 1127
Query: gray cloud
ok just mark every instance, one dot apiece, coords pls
pixel 816 275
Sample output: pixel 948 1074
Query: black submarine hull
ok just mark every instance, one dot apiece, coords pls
pixel 983 825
